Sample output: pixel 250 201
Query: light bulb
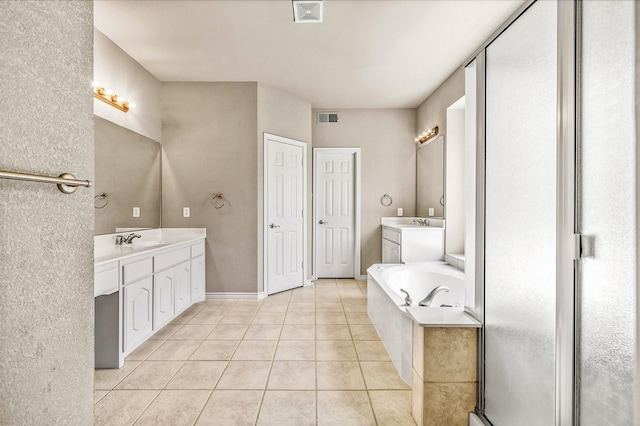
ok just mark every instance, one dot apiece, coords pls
pixel 122 99
pixel 108 92
pixel 96 84
pixel 132 105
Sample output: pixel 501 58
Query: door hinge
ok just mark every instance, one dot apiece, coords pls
pixel 584 246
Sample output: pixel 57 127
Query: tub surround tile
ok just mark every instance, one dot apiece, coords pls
pixel 448 403
pixel 215 350
pixel 344 408
pixel 288 408
pixel 151 375
pixel 197 375
pixel 450 355
pixel 339 375
pixel 122 407
pixel 245 375
pixel 174 408
pixel 292 375
pixel 392 408
pixel 231 407
pixel 417 398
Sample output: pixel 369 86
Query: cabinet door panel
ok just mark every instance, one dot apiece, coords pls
pixel 183 287
pixel 163 298
pixel 138 303
pixel 197 279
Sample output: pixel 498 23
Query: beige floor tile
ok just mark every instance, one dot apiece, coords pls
pixel 175 408
pixel 192 332
pixel 198 375
pixel 98 395
pixel 351 293
pixel 392 408
pixel 269 318
pixel 243 375
pixel 371 350
pixel 246 307
pixel 183 318
pixel 288 408
pixel 107 379
pixel 332 332
pixel 274 307
pixel 218 306
pixel 355 306
pixel 206 317
pixel 278 297
pixel 329 307
pixel 263 332
pixel 215 350
pixel 228 332
pixel 296 350
pixel 165 332
pixel 364 332
pixel 144 350
pixel 231 408
pixel 302 307
pixel 151 375
pixel 330 318
pixel 338 408
pixel 298 332
pixel 303 298
pixel 122 407
pixel 195 308
pixel 327 292
pixel 322 282
pixel 335 350
pixel 175 350
pixel 358 318
pixel 255 350
pixel 294 317
pixel 382 375
pixel 292 375
pixel 238 318
pixel 339 375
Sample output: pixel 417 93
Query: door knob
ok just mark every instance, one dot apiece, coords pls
pixel 274 226
pixel 322 222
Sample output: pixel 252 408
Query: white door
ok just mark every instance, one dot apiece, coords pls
pixel 284 197
pixel 335 213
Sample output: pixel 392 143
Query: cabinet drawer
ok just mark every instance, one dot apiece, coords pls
pixel 134 271
pixel 197 250
pixel 390 235
pixel 106 282
pixel 172 258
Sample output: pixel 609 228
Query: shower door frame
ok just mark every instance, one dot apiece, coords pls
pixel 567 256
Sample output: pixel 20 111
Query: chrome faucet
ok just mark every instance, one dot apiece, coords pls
pixel 121 239
pixel 427 300
pixel 407 299
pixel 421 222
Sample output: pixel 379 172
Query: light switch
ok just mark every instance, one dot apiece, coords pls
pixel 136 212
pixel 186 212
pixel 431 212
pixel 399 211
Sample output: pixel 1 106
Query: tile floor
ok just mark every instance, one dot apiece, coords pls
pixel 308 356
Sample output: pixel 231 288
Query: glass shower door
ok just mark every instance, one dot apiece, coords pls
pixel 520 220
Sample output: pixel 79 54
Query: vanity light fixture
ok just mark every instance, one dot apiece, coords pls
pixel 425 136
pixel 110 97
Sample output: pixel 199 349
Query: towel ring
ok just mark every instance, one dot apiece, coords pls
pixel 218 201
pixel 97 198
pixel 386 200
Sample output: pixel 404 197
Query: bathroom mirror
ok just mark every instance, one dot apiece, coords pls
pixel 430 169
pixel 127 170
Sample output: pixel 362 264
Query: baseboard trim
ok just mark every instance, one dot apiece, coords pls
pixel 308 282
pixel 223 296
pixel 363 278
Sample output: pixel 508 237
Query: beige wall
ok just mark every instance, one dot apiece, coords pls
pixel 116 70
pixel 209 140
pixel 46 237
pixel 127 169
pixel 433 112
pixel 385 137
pixel 281 114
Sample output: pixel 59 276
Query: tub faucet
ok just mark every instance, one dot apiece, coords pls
pixel 427 300
pixel 407 299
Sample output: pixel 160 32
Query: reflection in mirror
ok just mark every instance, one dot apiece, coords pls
pixel 127 170
pixel 430 178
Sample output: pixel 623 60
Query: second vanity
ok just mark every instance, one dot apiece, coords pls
pixel 142 286
pixel 409 240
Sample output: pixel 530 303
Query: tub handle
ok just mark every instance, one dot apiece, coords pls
pixel 407 299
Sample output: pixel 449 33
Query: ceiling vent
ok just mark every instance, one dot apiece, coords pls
pixel 307 11
pixel 327 117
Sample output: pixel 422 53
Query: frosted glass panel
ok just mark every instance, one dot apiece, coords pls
pixel 608 294
pixel 520 240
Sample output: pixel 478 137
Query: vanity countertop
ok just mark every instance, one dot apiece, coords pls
pixel 442 317
pixel 400 223
pixel 106 250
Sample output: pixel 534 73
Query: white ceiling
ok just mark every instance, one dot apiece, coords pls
pixel 366 53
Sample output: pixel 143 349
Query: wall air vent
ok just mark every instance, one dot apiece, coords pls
pixel 307 11
pixel 327 117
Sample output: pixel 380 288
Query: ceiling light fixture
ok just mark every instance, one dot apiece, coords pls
pixel 425 136
pixel 110 97
pixel 307 11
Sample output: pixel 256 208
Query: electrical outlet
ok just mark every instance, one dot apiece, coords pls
pixel 136 212
pixel 399 211
pixel 431 212
pixel 186 212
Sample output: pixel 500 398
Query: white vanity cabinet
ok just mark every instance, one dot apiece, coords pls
pixel 138 308
pixel 197 272
pixel 183 286
pixel 410 243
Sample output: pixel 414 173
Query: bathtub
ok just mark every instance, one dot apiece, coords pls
pixel 385 303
